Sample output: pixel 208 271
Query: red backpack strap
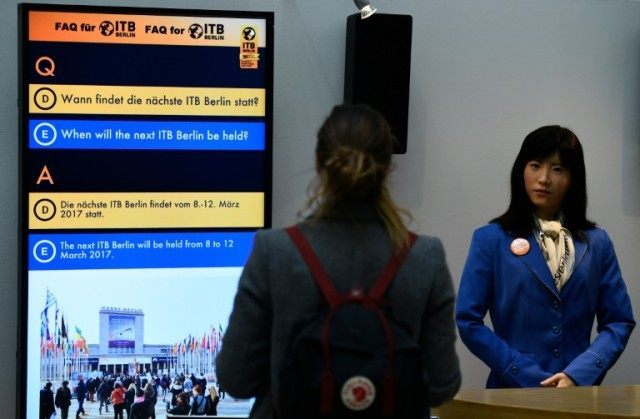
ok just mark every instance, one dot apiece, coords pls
pixel 389 272
pixel 318 273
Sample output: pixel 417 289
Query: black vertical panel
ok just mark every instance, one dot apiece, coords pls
pixel 378 68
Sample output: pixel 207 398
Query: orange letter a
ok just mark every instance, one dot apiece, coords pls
pixel 45 175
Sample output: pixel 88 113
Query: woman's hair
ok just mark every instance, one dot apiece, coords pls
pixel 353 159
pixel 213 393
pixel 538 145
pixel 198 388
pixel 183 398
pixel 148 390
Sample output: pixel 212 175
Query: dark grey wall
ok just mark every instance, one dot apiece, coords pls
pixel 484 74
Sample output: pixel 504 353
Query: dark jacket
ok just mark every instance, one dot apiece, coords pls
pixel 63 397
pixel 212 408
pixel 47 406
pixel 81 390
pixel 129 396
pixel 180 410
pixel 140 410
pixel 276 290
pixel 175 390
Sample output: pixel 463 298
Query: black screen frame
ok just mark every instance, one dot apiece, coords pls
pixel 24 116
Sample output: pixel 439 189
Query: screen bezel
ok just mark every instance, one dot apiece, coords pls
pixel 24 116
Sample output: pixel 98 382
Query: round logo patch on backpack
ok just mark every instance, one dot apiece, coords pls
pixel 358 393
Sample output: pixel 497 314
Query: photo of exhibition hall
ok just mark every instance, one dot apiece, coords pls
pixel 292 209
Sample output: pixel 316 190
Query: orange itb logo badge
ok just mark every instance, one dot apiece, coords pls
pixel 358 393
pixel 249 56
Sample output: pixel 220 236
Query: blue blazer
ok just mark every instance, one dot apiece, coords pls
pixel 538 331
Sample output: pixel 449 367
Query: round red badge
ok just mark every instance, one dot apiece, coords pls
pixel 358 393
pixel 520 246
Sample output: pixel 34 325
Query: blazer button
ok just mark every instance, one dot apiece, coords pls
pixel 556 353
pixel 556 304
pixel 599 363
pixel 556 329
pixel 514 370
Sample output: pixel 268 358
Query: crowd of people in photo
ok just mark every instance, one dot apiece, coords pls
pixel 136 395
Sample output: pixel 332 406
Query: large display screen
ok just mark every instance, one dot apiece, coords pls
pixel 145 164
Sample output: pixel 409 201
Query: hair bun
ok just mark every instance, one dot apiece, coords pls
pixel 353 172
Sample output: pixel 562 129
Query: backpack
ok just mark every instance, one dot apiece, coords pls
pixel 351 359
pixel 199 407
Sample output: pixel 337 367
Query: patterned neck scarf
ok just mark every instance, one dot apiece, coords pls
pixel 557 247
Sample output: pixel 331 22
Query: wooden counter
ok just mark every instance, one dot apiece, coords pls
pixel 524 403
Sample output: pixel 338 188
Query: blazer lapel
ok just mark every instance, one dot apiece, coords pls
pixel 580 249
pixel 534 259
